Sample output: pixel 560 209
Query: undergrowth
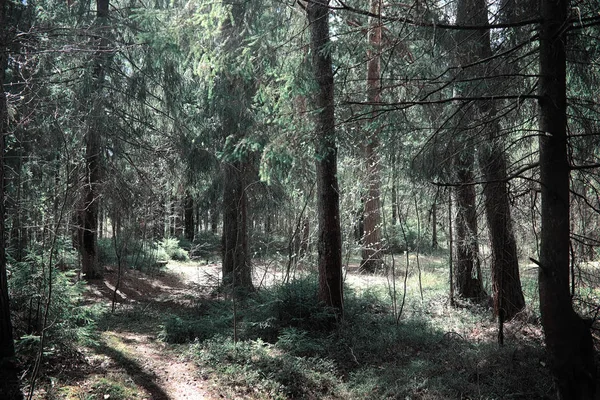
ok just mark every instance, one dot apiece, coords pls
pixel 285 349
pixel 69 320
pixel 140 254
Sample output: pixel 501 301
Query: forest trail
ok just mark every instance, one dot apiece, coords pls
pixel 157 368
pixel 129 350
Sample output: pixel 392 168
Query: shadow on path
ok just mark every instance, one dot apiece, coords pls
pixel 135 371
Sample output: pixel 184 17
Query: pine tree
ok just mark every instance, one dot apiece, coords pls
pixel 329 243
pixel 568 339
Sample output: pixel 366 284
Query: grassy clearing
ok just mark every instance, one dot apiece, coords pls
pixel 430 351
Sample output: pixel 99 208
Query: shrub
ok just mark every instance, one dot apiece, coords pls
pixel 206 245
pixel 171 248
pixel 71 321
pixel 262 315
pixel 269 372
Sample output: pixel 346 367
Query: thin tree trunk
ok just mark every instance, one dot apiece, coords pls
pixel 329 242
pixel 394 198
pixel 9 381
pixel 371 254
pixel 434 237
pixel 450 249
pixel 101 222
pixel 214 220
pixel 189 217
pixel 568 340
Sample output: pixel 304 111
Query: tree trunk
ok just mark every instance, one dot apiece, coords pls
pixel 189 217
pixel 568 340
pixel 235 119
pixel 304 242
pixel 506 280
pixel 93 155
pixel 468 280
pixel 469 283
pixel 434 236
pixel 394 199
pixel 89 213
pixel 329 242
pixel 9 383
pixel 236 265
pixel 371 254
pixel 214 220
pixel 101 222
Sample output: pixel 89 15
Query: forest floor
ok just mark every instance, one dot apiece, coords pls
pixel 424 349
pixel 127 360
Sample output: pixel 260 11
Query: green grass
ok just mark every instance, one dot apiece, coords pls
pixel 432 351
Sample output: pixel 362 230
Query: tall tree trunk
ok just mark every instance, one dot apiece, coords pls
pixel 371 254
pixel 93 155
pixel 329 242
pixel 235 119
pixel 568 339
pixel 9 383
pixel 394 199
pixel 506 282
pixel 468 280
pixel 304 242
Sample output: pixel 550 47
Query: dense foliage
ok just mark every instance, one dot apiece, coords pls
pixel 141 133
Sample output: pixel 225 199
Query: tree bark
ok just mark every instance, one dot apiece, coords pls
pixel 9 383
pixel 237 96
pixel 189 217
pixel 568 340
pixel 371 254
pixel 89 213
pixel 468 280
pixel 237 272
pixel 469 283
pixel 329 242
pixel 88 235
pixel 506 282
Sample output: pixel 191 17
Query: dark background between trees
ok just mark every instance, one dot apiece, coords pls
pixel 315 135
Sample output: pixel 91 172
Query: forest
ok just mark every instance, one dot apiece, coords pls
pixel 299 199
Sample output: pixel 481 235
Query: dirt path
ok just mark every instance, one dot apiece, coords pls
pixel 129 354
pixel 160 370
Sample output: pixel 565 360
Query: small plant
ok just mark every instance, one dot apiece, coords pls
pixel 114 388
pixel 171 248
